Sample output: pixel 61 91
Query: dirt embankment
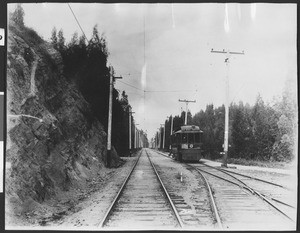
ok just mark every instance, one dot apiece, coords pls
pixel 55 146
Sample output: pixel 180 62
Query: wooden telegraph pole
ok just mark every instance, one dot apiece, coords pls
pixel 164 136
pixel 111 83
pixel 171 132
pixel 186 109
pixel 130 112
pixel 228 53
pixel 135 136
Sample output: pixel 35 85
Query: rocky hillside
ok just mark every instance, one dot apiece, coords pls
pixel 55 145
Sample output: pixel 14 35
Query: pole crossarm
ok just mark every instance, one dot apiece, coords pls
pixel 186 102
pixel 224 51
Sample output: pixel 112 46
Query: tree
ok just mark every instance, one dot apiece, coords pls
pixel 241 131
pixel 82 43
pixel 285 146
pixel 61 41
pixel 97 43
pixel 85 64
pixel 74 39
pixel 54 37
pixel 264 130
pixel 18 15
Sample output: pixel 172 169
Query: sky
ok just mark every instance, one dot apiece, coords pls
pixel 163 51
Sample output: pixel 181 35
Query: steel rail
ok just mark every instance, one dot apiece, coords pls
pixel 250 177
pixel 274 199
pixel 108 212
pixel 166 193
pixel 245 186
pixel 214 206
pixel 251 190
pixel 216 213
pixel 266 200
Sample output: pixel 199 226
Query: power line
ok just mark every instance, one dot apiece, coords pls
pixel 130 85
pixel 154 90
pixel 78 23
pixel 173 91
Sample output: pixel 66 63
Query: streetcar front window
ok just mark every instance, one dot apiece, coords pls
pixel 197 137
pixel 191 138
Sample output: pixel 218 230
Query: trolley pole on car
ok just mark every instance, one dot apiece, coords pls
pixel 186 109
pixel 226 131
pixel 111 84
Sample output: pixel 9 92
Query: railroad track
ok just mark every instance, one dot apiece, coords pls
pixel 277 195
pixel 238 204
pixel 196 205
pixel 142 201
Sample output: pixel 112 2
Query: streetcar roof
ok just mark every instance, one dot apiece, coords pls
pixel 189 129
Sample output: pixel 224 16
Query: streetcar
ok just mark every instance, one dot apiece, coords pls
pixel 186 143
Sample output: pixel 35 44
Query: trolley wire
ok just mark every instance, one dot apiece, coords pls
pixel 78 23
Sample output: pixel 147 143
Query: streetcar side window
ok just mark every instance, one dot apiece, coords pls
pixel 184 138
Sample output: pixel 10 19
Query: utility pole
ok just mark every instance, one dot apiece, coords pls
pixel 163 140
pixel 226 132
pixel 111 83
pixel 171 132
pixel 159 138
pixel 135 136
pixel 108 159
pixel 172 124
pixel 186 103
pixel 164 135
pixel 130 112
pixel 138 139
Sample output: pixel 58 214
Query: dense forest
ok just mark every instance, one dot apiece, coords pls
pixel 85 65
pixel 263 131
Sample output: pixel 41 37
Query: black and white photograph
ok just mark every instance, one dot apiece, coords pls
pixel 151 116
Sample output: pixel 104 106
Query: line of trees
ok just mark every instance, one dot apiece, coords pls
pixel 85 65
pixel 259 132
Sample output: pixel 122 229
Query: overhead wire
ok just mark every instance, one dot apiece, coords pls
pixel 148 91
pixel 78 23
pixel 130 85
